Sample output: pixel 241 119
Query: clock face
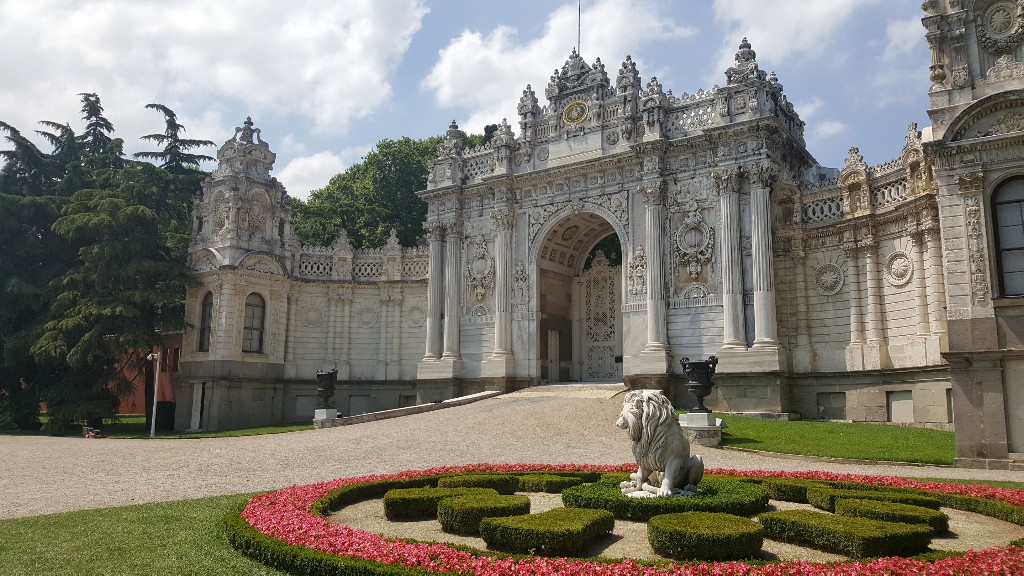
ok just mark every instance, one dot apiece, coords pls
pixel 575 112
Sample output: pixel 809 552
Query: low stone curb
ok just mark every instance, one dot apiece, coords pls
pixel 397 412
pixel 808 458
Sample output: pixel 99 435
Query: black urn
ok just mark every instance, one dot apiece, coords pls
pixel 325 386
pixel 698 377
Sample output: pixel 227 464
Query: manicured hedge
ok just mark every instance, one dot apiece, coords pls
pixel 550 483
pixel 705 536
pixel 298 559
pixel 462 514
pixel 825 498
pixel 503 483
pixel 556 532
pixel 893 512
pixel 790 489
pixel 856 537
pixel 418 503
pixel 720 495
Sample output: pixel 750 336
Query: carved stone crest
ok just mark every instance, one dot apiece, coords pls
pixel 694 244
pixel 480 269
pixel 636 279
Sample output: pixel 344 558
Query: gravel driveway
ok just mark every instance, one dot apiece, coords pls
pixel 556 424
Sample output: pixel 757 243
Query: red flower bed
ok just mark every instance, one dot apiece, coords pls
pixel 285 515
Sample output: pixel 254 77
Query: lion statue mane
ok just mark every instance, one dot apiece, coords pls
pixel 661 449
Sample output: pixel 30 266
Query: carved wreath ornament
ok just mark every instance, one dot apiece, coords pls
pixel 829 279
pixel 1000 27
pixel 898 268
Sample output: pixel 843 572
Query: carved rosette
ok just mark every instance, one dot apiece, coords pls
pixel 479 269
pixel 693 244
pixel 899 268
pixel 1001 26
pixel 636 278
pixel 829 279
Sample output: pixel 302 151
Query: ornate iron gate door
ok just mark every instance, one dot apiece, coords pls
pixel 601 322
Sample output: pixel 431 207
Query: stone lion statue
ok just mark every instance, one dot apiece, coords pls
pixel 661 450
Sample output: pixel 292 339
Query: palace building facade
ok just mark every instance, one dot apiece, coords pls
pixel 887 293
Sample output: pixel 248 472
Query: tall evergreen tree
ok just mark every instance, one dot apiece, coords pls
pixel 175 157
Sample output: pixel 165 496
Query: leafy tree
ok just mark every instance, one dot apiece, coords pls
pixel 372 197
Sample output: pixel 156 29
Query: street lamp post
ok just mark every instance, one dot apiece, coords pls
pixel 155 357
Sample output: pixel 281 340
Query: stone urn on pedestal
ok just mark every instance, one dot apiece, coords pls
pixel 700 425
pixel 325 390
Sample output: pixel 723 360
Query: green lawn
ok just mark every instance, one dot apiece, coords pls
pixel 134 426
pixel 169 538
pixel 841 440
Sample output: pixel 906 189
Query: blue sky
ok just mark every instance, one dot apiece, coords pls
pixel 325 80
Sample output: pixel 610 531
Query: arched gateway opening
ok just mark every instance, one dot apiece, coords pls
pixel 579 285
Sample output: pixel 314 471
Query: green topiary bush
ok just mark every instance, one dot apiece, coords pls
pixel 557 532
pixel 419 503
pixel 462 514
pixel 893 512
pixel 790 489
pixel 549 483
pixel 503 483
pixel 720 495
pixel 856 537
pixel 825 498
pixel 705 536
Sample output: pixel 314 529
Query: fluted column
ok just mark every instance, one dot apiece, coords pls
pixel 733 335
pixel 502 220
pixel 344 365
pixel 656 313
pixel 435 291
pixel 452 279
pixel 937 283
pixel 874 281
pixel 765 325
pixel 856 361
pixel 920 284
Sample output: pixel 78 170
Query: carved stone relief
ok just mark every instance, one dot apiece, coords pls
pixel 636 277
pixel 261 263
pixel 693 244
pixel 479 269
pixel 976 249
pixel 829 279
pixel 520 288
pixel 899 268
pixel 366 316
pixel 415 316
pixel 312 314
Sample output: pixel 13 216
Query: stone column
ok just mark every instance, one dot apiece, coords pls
pixel 765 328
pixel 656 313
pixel 876 353
pixel 936 303
pixel 920 284
pixel 803 357
pixel 502 220
pixel 452 289
pixel 855 350
pixel 289 329
pixel 435 291
pixel 344 363
pixel 732 263
pixel 332 324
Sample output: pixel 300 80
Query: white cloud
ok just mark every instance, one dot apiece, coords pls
pixel 902 38
pixel 808 109
pixel 307 173
pixel 484 73
pixel 826 129
pixel 325 61
pixel 780 29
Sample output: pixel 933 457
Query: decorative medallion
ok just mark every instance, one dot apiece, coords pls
pixel 696 290
pixel 898 268
pixel 416 316
pixel 542 153
pixel 575 112
pixel 480 310
pixel 829 279
pixel 366 316
pixel 694 242
pixel 570 233
pixel 999 27
pixel 480 268
pixel 311 315
pixel 612 138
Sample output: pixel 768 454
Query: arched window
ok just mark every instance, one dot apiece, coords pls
pixel 206 323
pixel 252 337
pixel 1008 212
